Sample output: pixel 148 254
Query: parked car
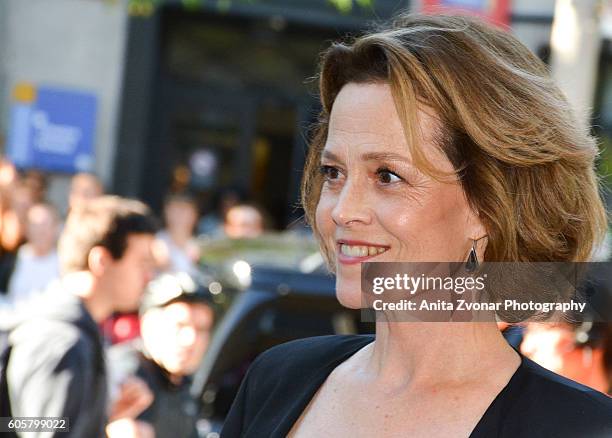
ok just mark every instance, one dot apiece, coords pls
pixel 279 304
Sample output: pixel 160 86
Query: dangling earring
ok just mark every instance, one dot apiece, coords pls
pixel 472 262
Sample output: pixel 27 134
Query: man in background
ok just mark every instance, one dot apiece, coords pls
pixel 176 323
pixel 37 262
pixel 56 365
pixel 84 187
pixel 179 251
pixel 243 221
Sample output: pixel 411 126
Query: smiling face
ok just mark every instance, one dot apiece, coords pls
pixel 374 204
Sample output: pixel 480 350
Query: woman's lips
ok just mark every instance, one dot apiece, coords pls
pixel 357 251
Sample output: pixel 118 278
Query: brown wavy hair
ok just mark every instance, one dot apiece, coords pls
pixel 524 161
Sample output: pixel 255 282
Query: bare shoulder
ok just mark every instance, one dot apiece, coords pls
pixel 304 357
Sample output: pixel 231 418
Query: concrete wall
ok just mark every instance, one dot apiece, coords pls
pixel 533 7
pixel 73 43
pixel 533 35
pixel 3 68
pixel 530 25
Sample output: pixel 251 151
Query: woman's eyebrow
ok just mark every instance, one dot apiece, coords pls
pixel 330 156
pixel 384 156
pixel 369 156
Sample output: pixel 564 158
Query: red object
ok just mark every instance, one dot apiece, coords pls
pixel 495 11
pixel 121 328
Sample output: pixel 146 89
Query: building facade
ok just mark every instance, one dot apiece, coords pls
pixel 212 98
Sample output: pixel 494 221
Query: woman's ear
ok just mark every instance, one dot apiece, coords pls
pixel 98 260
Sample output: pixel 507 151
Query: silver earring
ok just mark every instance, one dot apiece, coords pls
pixel 472 262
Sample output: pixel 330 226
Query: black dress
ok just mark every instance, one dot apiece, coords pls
pixel 535 402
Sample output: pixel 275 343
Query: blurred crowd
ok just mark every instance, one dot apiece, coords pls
pixel 116 284
pixel 30 226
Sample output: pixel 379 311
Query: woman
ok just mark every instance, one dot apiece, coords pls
pixel 441 139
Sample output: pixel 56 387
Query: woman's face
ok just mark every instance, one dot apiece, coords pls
pixel 375 205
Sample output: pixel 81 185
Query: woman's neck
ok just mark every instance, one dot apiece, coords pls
pixel 414 353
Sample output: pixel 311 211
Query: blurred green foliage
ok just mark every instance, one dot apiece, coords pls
pixel 604 164
pixel 284 249
pixel 145 8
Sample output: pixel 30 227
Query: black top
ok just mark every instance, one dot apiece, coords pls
pixel 173 412
pixel 535 402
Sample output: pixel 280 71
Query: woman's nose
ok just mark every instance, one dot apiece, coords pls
pixel 352 206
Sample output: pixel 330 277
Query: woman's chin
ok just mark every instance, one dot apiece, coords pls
pixel 348 294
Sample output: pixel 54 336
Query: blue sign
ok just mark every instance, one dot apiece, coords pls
pixel 54 131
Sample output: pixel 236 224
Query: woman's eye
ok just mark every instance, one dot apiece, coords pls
pixel 330 172
pixel 386 176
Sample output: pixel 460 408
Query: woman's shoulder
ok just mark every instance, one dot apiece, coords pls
pixel 282 380
pixel 300 365
pixel 556 405
pixel 541 382
pixel 311 353
pixel 319 345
